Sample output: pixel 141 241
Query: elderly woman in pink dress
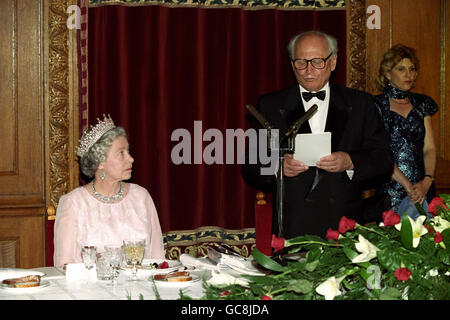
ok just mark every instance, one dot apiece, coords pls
pixel 107 210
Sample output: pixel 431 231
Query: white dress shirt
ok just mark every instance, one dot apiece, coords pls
pixel 318 120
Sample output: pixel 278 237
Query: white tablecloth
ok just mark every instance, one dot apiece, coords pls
pixel 60 289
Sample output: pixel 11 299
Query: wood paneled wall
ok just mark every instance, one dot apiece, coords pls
pixel 22 184
pixel 424 25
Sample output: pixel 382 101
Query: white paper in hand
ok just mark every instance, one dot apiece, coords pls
pixel 310 147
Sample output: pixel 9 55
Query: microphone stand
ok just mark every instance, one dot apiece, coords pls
pixel 290 135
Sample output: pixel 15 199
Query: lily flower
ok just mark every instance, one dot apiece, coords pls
pixel 440 224
pixel 418 229
pixel 220 279
pixel 367 249
pixel 330 288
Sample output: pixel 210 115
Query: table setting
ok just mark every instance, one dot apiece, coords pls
pixel 119 272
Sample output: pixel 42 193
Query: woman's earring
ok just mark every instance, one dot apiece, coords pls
pixel 102 175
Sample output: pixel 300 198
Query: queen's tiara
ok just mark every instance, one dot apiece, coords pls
pixel 92 135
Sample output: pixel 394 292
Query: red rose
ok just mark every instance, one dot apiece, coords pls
pixel 402 274
pixel 277 243
pixel 332 234
pixel 390 218
pixel 346 224
pixel 429 228
pixel 224 293
pixel 266 297
pixel 163 265
pixel 438 237
pixel 434 204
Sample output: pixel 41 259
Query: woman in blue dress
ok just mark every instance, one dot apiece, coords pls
pixel 407 120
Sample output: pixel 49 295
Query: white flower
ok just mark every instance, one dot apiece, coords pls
pixel 220 279
pixel 368 250
pixel 417 228
pixel 440 224
pixel 433 273
pixel 330 288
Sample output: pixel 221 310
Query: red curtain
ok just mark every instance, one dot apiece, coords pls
pixel 156 69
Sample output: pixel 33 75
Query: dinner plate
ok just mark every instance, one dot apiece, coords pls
pixel 180 284
pixel 242 266
pixel 6 288
pixel 10 273
pixel 147 267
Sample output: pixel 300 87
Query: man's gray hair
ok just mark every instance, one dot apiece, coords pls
pixel 331 41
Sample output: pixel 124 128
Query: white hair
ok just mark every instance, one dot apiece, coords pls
pixel 331 41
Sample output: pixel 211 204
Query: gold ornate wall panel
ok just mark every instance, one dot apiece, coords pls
pixel 62 103
pixel 356 45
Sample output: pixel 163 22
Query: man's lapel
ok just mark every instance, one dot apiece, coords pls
pixel 337 117
pixel 294 109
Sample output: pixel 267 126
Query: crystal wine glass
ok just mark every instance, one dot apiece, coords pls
pixel 114 253
pixel 89 255
pixel 134 253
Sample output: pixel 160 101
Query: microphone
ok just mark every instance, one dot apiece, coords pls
pixel 266 124
pixel 294 128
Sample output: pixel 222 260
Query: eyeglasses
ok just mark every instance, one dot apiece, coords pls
pixel 318 63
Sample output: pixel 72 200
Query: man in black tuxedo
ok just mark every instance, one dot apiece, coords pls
pixel 317 197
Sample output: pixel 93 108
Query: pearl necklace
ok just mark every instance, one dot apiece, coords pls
pixel 398 102
pixel 108 199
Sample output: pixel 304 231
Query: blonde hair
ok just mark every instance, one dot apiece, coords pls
pixel 390 59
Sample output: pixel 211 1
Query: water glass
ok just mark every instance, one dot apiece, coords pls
pixel 89 256
pixel 114 257
pixel 104 269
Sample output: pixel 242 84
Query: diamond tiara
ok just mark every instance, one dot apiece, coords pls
pixel 92 135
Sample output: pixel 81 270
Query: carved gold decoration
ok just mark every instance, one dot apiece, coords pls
pixel 356 69
pixel 58 101
pixel 195 242
pixel 51 213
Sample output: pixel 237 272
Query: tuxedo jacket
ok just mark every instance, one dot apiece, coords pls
pixel 315 200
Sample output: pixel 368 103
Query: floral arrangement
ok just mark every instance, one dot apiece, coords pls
pixel 401 258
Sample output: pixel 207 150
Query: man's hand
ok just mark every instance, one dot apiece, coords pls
pixel 293 167
pixel 335 162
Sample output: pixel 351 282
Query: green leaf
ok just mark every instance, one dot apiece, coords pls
pixel 406 233
pixel 389 259
pixel 260 279
pixel 445 197
pixel 267 262
pixel 311 266
pixel 420 209
pixel 300 286
pixel 364 274
pixel 312 259
pixel 390 294
pixel 351 254
pixel 444 257
pixel 446 235
pixel 313 254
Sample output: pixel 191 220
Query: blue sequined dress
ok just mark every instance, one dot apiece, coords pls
pixel 407 137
